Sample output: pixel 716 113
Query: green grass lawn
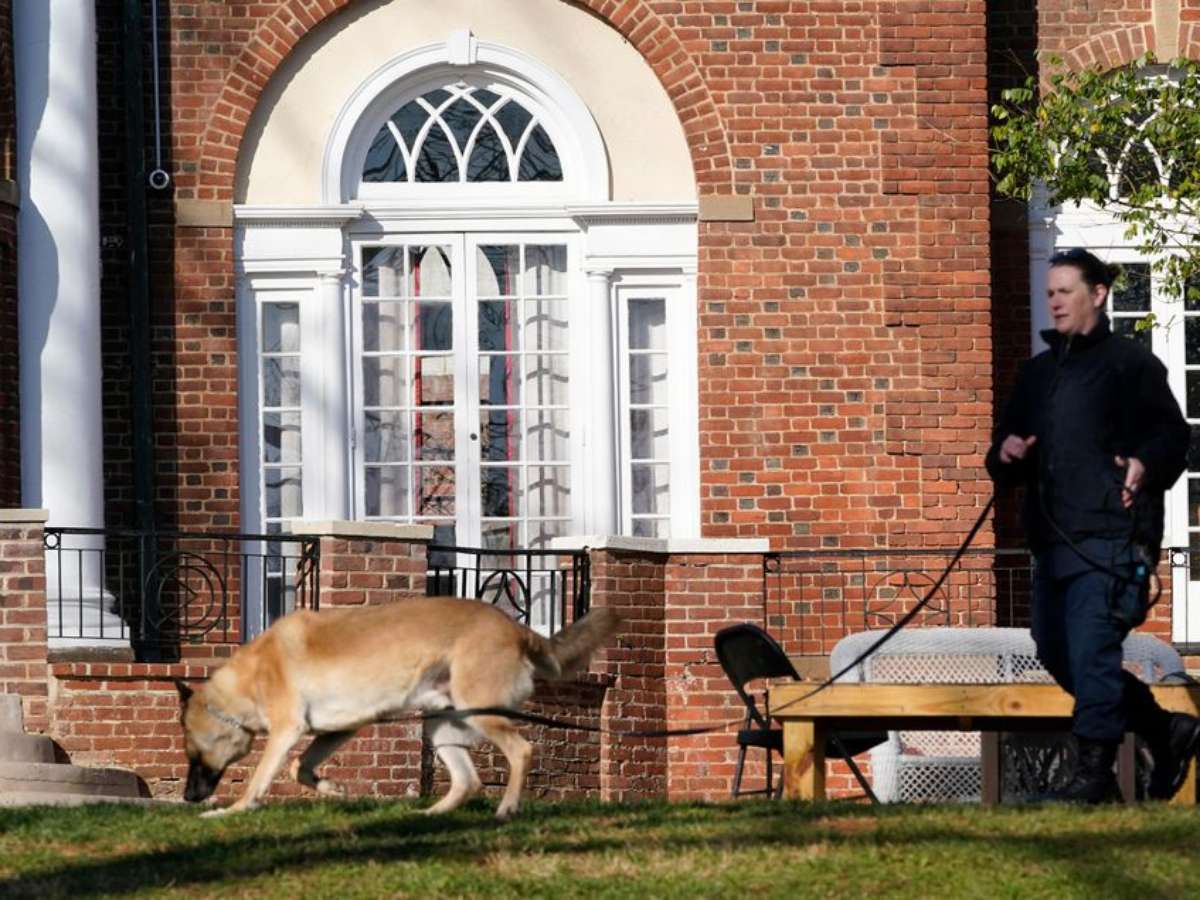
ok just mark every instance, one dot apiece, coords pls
pixel 563 850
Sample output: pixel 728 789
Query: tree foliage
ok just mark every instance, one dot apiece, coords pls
pixel 1127 141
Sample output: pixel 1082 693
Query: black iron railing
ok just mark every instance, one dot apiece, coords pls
pixel 545 589
pixel 159 591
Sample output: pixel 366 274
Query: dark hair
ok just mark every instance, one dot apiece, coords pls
pixel 1093 269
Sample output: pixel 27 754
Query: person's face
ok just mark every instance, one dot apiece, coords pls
pixel 1074 307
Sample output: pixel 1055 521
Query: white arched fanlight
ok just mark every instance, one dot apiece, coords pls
pixel 457 94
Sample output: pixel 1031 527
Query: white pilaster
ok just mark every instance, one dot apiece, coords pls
pixel 58 240
pixel 1041 246
pixel 334 396
pixel 602 458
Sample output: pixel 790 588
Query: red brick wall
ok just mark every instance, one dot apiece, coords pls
pixel 23 617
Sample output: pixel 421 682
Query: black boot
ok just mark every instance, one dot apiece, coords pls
pixel 1093 781
pixel 1174 747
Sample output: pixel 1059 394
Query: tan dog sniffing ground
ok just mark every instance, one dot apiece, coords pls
pixel 330 673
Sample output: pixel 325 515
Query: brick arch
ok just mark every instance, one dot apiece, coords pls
pixel 1112 49
pixel 641 26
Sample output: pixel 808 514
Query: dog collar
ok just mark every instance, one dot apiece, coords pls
pixel 224 717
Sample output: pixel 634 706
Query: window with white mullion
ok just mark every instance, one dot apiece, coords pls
pixel 280 412
pixel 648 407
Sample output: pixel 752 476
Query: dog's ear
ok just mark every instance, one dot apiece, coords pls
pixel 184 691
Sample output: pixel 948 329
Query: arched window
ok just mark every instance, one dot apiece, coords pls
pixel 462 133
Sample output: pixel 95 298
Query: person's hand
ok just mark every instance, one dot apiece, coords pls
pixel 1015 447
pixel 1134 473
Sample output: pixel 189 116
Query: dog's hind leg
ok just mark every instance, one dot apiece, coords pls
pixel 450 740
pixel 519 753
pixel 304 767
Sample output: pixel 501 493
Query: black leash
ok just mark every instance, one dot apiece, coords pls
pixel 535 719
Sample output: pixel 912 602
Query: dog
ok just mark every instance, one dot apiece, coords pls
pixel 330 673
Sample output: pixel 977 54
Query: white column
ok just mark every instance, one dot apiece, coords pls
pixel 603 459
pixel 58 264
pixel 332 417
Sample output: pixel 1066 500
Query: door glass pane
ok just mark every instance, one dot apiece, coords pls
pixel 433 326
pixel 1192 340
pixel 1132 294
pixel 545 324
pixel 548 491
pixel 497 328
pixel 546 380
pixel 386 436
pixel 283 498
pixel 281 437
pixel 435 492
pixel 433 436
pixel 429 272
pixel 501 488
pixel 548 435
pixel 545 270
pixel 433 381
pixel 281 328
pixel 281 381
pixel 496 268
pixel 386 491
pixel 383 327
pixel 383 381
pixel 1126 327
pixel 383 272
pixel 500 435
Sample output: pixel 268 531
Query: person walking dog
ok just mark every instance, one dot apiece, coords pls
pixel 1094 434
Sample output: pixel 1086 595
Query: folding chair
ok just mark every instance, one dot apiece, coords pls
pixel 747 653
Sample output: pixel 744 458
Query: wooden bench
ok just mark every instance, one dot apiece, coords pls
pixel 990 708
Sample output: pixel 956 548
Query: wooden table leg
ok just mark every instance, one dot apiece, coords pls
pixel 989 760
pixel 803 760
pixel 1127 768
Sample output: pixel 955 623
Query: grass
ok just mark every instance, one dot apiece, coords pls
pixel 564 850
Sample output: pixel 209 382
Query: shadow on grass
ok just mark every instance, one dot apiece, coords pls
pixel 295 838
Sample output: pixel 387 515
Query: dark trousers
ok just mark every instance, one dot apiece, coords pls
pixel 1080 645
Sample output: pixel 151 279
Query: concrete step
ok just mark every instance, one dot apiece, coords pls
pixel 33 748
pixel 10 714
pixel 57 778
pixel 34 798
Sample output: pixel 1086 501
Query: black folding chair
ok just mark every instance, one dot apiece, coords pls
pixel 747 653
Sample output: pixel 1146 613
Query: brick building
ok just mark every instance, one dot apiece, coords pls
pixel 696 279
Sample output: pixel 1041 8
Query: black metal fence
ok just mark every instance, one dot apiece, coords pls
pixel 544 589
pixel 158 591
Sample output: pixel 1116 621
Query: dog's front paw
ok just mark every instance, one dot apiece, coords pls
pixel 327 788
pixel 215 813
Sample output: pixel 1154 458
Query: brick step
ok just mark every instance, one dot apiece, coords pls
pixel 10 714
pixel 30 748
pixel 57 778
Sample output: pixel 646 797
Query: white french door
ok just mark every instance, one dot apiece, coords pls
pixel 461 381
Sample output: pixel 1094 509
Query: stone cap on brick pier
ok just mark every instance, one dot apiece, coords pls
pixel 342 528
pixel 661 545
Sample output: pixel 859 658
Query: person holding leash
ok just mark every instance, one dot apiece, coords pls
pixel 1094 434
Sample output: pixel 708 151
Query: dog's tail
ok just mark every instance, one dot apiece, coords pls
pixel 571 649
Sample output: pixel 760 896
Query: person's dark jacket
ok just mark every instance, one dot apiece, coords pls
pixel 1089 399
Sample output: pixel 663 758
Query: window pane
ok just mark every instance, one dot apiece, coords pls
pixel 648 437
pixel 1191 339
pixel 651 490
pixel 1193 394
pixel 386 436
pixel 384 162
pixel 500 489
pixel 436 162
pixel 1191 295
pixel 281 327
pixel 497 329
pixel 1193 456
pixel 1126 327
pixel 648 379
pixel 383 327
pixel 489 159
pixel 545 270
pixel 548 492
pixel 429 272
pixel 496 270
pixel 546 324
pixel 383 271
pixel 433 326
pixel 435 491
pixel 548 436
pixel 652 528
pixel 546 380
pixel 383 381
pixel 281 437
pixel 1133 292
pixel 283 495
pixel 409 119
pixel 541 531
pixel 433 381
pixel 540 162
pixel 281 381
pixel 433 436
pixel 498 385
pixel 386 491
pixel 461 116
pixel 1193 502
pixel 500 435
pixel 648 324
pixel 514 119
